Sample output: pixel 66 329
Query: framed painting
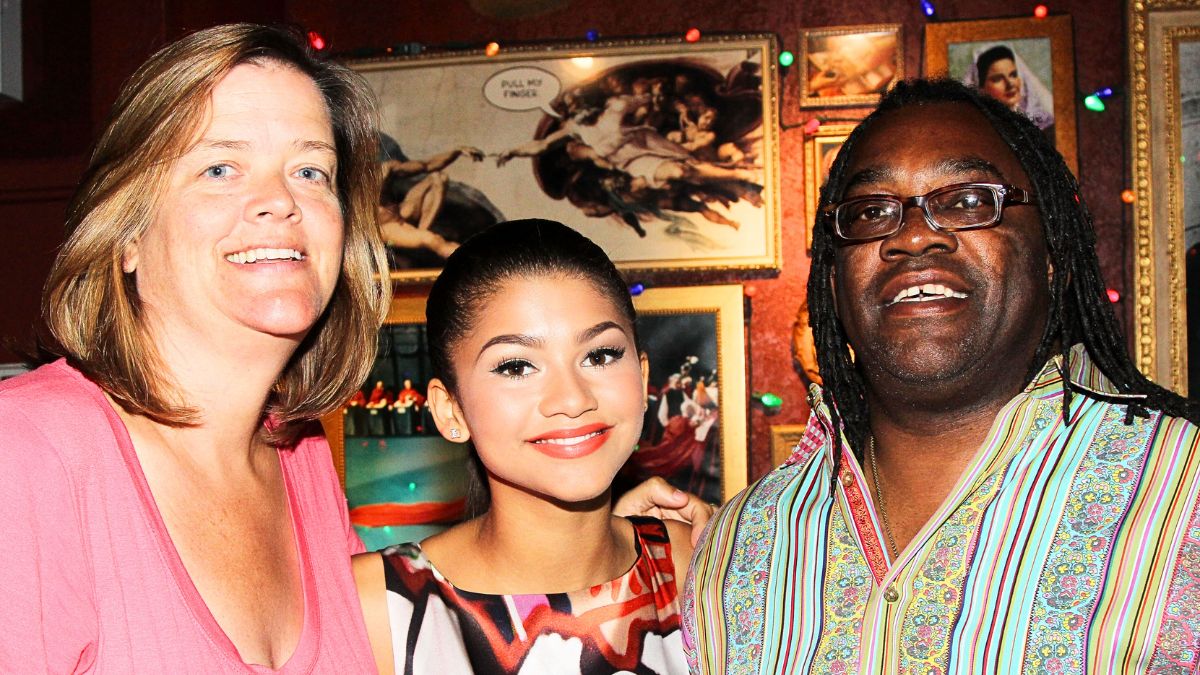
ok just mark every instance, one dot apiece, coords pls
pixel 1164 131
pixel 820 149
pixel 1027 64
pixel 694 434
pixel 849 65
pixel 663 152
pixel 403 481
pixel 784 438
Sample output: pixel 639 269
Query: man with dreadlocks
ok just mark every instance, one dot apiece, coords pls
pixel 1007 493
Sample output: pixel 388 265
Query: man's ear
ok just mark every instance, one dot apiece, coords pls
pixel 446 414
pixel 644 360
pixel 129 258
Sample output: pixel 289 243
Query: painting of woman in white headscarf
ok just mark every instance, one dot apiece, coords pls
pixel 1017 72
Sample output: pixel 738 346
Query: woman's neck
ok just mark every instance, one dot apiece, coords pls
pixel 227 382
pixel 528 544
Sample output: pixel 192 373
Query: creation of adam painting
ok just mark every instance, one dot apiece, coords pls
pixel 663 153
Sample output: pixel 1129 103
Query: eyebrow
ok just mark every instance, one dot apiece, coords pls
pixel 303 146
pixel 599 328
pixel 952 165
pixel 522 340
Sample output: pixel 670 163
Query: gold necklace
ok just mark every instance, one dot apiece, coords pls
pixel 887 524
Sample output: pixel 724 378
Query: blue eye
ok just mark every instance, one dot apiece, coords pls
pixel 604 356
pixel 312 173
pixel 217 171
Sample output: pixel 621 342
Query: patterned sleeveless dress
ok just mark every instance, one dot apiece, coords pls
pixel 627 625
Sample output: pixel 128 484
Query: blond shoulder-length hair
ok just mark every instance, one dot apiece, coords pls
pixel 90 308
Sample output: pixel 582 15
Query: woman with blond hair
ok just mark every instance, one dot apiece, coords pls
pixel 168 503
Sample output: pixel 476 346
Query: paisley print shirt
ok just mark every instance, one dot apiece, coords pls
pixel 1067 546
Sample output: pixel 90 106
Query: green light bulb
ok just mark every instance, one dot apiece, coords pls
pixel 1094 103
pixel 786 58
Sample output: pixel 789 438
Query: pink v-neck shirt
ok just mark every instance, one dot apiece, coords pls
pixel 89 579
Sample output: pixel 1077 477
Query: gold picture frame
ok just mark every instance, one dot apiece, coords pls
pixel 1045 58
pixel 562 132
pixel 849 65
pixel 707 322
pixel 784 438
pixel 673 324
pixel 1163 145
pixel 820 149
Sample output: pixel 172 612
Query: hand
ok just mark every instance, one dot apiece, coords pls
pixel 658 498
pixel 472 152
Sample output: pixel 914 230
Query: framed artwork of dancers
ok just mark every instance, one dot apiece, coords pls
pixel 663 152
pixel 1026 64
pixel 694 432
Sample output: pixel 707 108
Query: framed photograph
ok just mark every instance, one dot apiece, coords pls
pixel 1164 133
pixel 663 152
pixel 404 482
pixel 820 149
pixel 1027 64
pixel 849 65
pixel 694 434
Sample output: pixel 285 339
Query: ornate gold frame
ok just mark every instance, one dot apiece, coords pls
pixel 648 259
pixel 784 438
pixel 806 101
pixel 1156 28
pixel 938 37
pixel 725 302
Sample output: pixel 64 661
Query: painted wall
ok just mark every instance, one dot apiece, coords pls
pixel 76 61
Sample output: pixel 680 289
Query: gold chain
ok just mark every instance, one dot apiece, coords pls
pixel 887 524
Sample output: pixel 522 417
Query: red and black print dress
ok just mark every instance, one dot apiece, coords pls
pixel 627 625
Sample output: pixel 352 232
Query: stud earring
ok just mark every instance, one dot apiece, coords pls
pixel 455 433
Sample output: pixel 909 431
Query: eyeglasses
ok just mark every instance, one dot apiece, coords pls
pixel 952 208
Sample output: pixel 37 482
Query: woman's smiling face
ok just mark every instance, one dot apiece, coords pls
pixel 550 387
pixel 249 232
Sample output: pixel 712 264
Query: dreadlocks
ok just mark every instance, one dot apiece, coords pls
pixel 1078 313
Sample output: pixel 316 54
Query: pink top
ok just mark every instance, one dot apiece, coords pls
pixel 89 578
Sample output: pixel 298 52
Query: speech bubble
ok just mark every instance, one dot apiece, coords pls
pixel 523 88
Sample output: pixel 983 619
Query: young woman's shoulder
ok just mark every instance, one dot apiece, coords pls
pixel 675 534
pixel 372 595
pixel 680 534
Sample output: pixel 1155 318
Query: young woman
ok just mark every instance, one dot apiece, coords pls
pixel 535 358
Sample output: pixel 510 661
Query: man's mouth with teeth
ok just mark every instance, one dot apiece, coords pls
pixel 925 293
pixel 569 441
pixel 264 255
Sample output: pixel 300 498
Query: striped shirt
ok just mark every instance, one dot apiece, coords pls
pixel 1065 548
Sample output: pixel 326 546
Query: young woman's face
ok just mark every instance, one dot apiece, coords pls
pixel 1003 83
pixel 550 387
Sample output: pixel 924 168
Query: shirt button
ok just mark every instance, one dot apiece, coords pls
pixel 891 595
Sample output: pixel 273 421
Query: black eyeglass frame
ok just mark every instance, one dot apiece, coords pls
pixel 1005 195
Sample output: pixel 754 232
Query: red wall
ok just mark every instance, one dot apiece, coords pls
pixel 79 59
